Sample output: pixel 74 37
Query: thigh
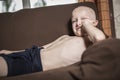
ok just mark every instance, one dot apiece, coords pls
pixel 3 67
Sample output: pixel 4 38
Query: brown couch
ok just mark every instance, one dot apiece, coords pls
pixel 39 26
pixel 24 28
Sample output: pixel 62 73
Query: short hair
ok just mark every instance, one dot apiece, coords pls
pixel 88 9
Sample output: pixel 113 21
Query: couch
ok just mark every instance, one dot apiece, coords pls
pixel 39 26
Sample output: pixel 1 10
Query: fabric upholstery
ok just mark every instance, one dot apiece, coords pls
pixel 39 26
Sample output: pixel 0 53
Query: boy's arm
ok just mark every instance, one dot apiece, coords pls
pixel 8 51
pixel 94 34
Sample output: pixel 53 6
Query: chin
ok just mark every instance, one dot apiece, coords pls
pixel 78 35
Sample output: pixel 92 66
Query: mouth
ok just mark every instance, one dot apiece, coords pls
pixel 78 28
pixel 78 31
pixel 81 31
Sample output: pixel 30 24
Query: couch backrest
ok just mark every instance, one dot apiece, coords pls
pixel 39 26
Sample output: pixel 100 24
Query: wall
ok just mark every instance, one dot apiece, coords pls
pixel 116 5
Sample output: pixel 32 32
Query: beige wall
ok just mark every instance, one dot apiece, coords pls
pixel 116 5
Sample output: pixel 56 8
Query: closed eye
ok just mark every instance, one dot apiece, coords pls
pixel 73 21
pixel 83 18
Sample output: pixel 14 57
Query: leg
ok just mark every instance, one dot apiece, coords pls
pixel 19 63
pixel 3 67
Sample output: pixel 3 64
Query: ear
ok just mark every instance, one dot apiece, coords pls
pixel 95 23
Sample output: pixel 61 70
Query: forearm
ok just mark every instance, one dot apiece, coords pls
pixel 8 51
pixel 94 34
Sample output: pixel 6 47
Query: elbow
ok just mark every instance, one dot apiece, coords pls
pixel 100 37
pixel 97 37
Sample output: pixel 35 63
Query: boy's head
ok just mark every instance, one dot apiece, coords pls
pixel 79 14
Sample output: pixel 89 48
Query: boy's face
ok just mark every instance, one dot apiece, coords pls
pixel 79 16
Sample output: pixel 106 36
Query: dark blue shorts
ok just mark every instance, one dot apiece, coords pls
pixel 24 62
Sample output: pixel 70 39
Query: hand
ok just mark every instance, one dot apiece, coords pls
pixel 5 52
pixel 87 23
pixel 94 34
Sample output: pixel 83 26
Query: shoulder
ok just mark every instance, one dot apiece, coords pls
pixel 72 37
pixel 76 39
pixel 64 36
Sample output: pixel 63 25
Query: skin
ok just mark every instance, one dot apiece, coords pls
pixel 67 50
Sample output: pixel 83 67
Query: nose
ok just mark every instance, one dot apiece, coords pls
pixel 79 22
